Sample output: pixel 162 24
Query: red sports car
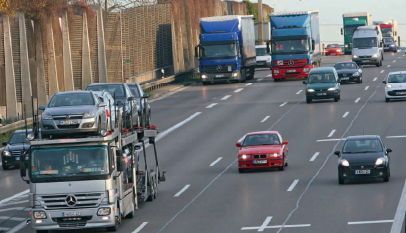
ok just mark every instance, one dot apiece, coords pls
pixel 262 150
pixel 333 50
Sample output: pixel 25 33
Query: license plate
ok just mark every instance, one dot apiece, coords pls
pixel 321 94
pixel 17 158
pixel 68 122
pixel 363 172
pixel 365 61
pixel 291 71
pixel 219 75
pixel 71 213
pixel 259 162
pixel 345 78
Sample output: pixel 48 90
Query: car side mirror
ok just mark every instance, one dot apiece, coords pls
pixel 4 143
pixel 304 82
pixel 197 54
pixel 388 150
pixel 131 98
pixel 238 144
pixel 285 143
pixel 102 105
pixel 41 108
pixel 384 82
pixel 313 45
pixel 359 70
pixel 337 153
pixel 145 96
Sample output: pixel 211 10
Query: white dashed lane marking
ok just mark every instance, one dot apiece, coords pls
pixel 357 100
pixel 366 88
pixel 216 161
pixel 182 190
pixel 293 185
pixel 331 133
pixel 346 114
pixel 314 157
pixel 226 97
pixel 300 91
pixel 283 104
pixel 265 119
pixel 211 105
pixel 239 90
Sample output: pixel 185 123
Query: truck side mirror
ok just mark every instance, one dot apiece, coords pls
pixel 23 168
pixel 197 54
pixel 342 31
pixel 268 48
pixel 313 45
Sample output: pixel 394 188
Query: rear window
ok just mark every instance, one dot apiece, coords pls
pixel 115 90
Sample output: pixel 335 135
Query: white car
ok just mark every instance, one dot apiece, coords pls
pixel 263 59
pixel 395 87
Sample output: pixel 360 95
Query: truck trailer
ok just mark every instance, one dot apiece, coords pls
pixel 351 21
pixel 295 43
pixel 227 49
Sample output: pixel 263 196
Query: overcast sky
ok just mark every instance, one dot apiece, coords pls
pixel 331 13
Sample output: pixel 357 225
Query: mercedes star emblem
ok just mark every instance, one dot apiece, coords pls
pixel 291 62
pixel 219 68
pixel 71 200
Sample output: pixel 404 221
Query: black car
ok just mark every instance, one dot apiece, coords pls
pixel 123 98
pixel 363 157
pixel 142 101
pixel 14 148
pixel 348 72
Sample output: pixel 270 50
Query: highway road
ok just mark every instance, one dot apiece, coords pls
pixel 204 191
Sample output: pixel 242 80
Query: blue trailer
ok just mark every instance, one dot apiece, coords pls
pixel 227 49
pixel 295 39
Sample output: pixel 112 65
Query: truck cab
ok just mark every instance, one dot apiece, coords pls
pixel 351 21
pixel 227 49
pixel 295 40
pixel 368 46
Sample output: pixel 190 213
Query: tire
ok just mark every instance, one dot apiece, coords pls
pixel 308 100
pixel 336 99
pixel 340 179
pixel 5 167
pixel 359 80
pixel 243 77
pixel 241 170
pixel 387 175
pixel 41 231
pixel 283 166
pixel 387 100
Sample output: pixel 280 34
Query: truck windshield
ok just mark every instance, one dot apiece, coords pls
pixel 69 163
pixel 290 46
pixel 388 40
pixel 349 30
pixel 218 50
pixel 386 32
pixel 367 42
pixel 261 51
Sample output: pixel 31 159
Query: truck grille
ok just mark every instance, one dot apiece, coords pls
pixel 291 63
pixel 218 69
pixel 67 117
pixel 83 200
pixel 72 221
pixel 75 126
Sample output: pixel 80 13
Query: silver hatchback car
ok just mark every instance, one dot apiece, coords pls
pixel 73 112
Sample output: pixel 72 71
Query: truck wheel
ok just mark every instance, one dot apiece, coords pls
pixel 243 74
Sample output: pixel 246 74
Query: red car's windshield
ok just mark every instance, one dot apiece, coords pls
pixel 261 139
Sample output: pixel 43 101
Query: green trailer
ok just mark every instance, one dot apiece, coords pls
pixel 351 21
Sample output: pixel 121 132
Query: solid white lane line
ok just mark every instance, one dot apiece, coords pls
pixel 265 119
pixel 388 66
pixel 283 104
pixel 398 136
pixel 238 90
pixel 14 203
pixel 175 127
pixel 357 100
pixel 4 228
pixel 11 209
pixel 374 80
pixel 366 88
pixel 140 227
pixel 346 114
pixel 370 222
pixel 400 213
pixel 293 185
pixel 216 161
pixel 18 227
pixel 211 105
pixel 226 97
pixel 4 201
pixel 265 223
pixel 300 91
pixel 382 71
pixel 330 140
pixel 314 157
pixel 276 227
pixel 182 190
pixel 331 133
pixel 248 84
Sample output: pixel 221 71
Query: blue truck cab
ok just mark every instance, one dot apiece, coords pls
pixel 295 43
pixel 227 49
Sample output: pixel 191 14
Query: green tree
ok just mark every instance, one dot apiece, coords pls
pixel 252 10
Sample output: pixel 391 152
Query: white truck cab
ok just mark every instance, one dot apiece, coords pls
pixel 367 46
pixel 263 59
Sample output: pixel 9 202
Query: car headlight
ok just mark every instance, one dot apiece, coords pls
pixel 392 45
pixel 39 214
pixel 332 89
pixel 204 76
pixel 344 163
pixel 274 155
pixel 104 211
pixel 310 90
pixel 375 55
pixel 89 115
pixel 388 85
pixel 46 116
pixel 356 74
pixel 244 157
pixel 6 153
pixel 379 161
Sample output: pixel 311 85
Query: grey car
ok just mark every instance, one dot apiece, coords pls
pixel 73 112
pixel 142 101
pixel 111 109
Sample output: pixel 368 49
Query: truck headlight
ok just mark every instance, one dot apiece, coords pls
pixel 104 211
pixel 310 90
pixel 375 55
pixel 88 115
pixel 306 69
pixel 204 76
pixel 344 163
pixel 354 56
pixel 379 161
pixel 235 74
pixel 39 214
pixel 276 71
pixel 6 153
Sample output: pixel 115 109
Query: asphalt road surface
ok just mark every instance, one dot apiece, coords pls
pixel 204 191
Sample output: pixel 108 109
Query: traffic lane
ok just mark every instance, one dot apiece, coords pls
pixel 195 146
pixel 11 183
pixel 297 135
pixel 174 108
pixel 368 201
